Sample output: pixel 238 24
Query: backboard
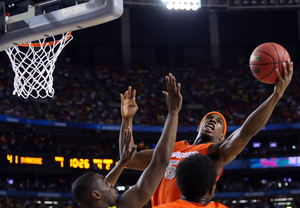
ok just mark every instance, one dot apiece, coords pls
pixel 28 20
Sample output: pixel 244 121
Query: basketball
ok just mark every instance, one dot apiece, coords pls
pixel 265 59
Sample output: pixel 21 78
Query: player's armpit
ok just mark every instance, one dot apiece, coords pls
pixel 224 152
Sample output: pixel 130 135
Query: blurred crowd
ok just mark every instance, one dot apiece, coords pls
pixel 49 145
pixel 23 202
pixel 226 184
pixel 92 94
pixel 29 143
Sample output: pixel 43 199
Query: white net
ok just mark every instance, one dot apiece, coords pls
pixel 34 63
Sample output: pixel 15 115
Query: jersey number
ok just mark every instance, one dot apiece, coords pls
pixel 171 169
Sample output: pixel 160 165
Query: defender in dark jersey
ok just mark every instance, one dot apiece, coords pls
pixel 93 190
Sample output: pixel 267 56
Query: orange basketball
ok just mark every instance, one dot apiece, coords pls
pixel 265 59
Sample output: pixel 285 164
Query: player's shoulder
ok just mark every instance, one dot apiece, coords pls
pixel 181 144
pixel 219 205
pixel 215 205
pixel 162 206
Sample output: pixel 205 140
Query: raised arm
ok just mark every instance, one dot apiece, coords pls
pixel 126 156
pixel 138 195
pixel 128 109
pixel 237 141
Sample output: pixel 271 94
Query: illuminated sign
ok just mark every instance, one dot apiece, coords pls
pixel 275 162
pixel 62 162
pixel 31 160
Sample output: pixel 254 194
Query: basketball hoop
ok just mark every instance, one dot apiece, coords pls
pixel 34 63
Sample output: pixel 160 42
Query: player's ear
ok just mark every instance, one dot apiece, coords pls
pixel 96 195
pixel 222 137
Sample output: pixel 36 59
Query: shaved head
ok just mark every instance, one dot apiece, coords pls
pixel 83 187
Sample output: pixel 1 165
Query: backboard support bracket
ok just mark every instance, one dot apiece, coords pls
pixel 19 17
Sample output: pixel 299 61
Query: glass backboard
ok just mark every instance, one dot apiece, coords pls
pixel 29 20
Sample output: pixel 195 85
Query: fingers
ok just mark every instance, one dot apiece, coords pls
pixel 128 94
pixel 171 83
pixel 284 70
pixel 290 68
pixel 127 136
pixel 133 94
pixel 124 141
pixel 278 75
pixel 122 98
pixel 129 91
pixel 165 94
pixel 178 88
pixel 287 71
pixel 167 82
pixel 133 150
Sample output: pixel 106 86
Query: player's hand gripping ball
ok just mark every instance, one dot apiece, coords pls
pixel 265 59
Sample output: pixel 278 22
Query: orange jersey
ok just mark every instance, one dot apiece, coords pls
pixel 186 204
pixel 167 190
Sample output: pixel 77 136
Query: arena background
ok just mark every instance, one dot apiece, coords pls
pixel 55 140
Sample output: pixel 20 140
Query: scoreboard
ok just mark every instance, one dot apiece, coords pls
pixel 58 162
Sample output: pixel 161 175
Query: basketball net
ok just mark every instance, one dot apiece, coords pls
pixel 34 63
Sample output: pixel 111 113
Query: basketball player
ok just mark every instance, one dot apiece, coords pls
pixel 196 179
pixel 209 141
pixel 96 191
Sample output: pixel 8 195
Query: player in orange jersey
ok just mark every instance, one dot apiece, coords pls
pixel 210 139
pixel 93 190
pixel 196 179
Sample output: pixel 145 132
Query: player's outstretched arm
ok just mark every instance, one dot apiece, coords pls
pixel 128 109
pixel 138 195
pixel 237 141
pixel 125 157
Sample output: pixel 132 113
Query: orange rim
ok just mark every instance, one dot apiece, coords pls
pixel 50 43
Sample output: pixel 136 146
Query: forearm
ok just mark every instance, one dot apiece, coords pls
pixel 259 118
pixel 140 160
pixel 238 140
pixel 165 146
pixel 151 177
pixel 126 122
pixel 115 173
